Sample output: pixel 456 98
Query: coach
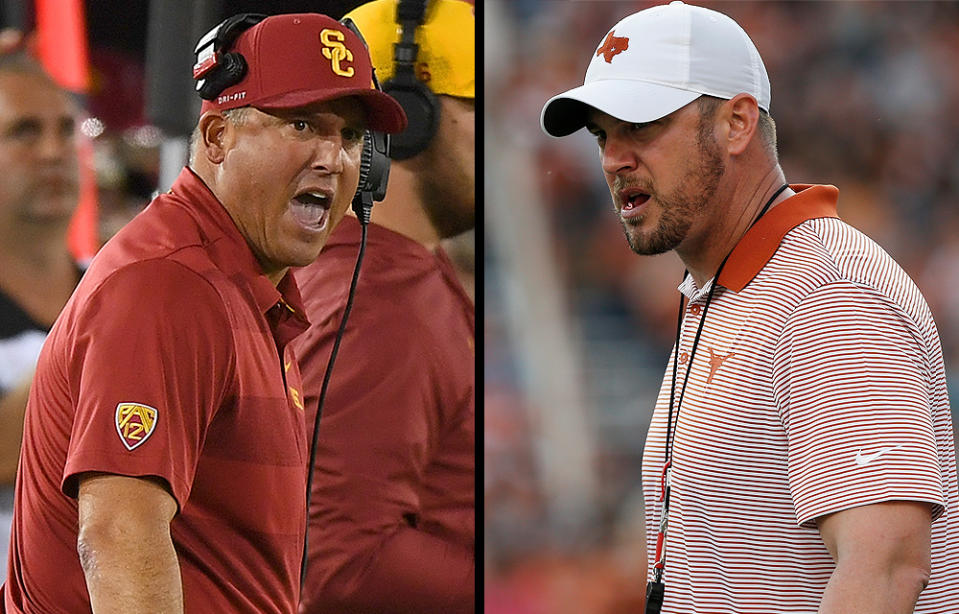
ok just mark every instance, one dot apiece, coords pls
pixel 164 439
pixel 800 456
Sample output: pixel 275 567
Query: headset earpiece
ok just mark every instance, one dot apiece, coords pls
pixel 422 113
pixel 420 104
pixel 215 69
pixel 374 160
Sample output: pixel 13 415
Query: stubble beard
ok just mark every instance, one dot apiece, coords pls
pixel 679 208
pixel 447 193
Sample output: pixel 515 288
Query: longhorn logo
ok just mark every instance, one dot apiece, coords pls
pixel 716 361
pixel 613 45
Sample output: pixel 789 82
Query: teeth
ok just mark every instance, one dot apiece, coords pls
pixel 312 198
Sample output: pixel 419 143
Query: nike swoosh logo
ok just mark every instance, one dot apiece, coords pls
pixel 865 459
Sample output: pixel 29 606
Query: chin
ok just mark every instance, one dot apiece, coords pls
pixel 306 256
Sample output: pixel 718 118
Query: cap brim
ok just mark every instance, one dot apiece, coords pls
pixel 383 112
pixel 628 101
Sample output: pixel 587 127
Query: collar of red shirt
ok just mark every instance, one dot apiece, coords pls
pixel 233 254
pixel 761 241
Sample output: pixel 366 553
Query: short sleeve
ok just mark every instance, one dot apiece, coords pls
pixel 149 366
pixel 853 383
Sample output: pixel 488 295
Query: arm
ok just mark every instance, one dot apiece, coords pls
pixel 125 546
pixel 12 407
pixel 882 554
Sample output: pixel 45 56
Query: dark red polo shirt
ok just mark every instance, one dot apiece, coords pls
pixel 392 520
pixel 171 359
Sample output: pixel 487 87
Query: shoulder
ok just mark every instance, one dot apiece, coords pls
pixel 828 256
pixel 158 290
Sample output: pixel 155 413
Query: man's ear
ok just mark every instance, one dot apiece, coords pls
pixel 216 136
pixel 742 115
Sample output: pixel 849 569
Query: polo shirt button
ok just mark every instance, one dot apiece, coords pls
pixel 683 357
pixel 695 309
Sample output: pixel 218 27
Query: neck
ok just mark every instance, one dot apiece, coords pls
pixel 402 210
pixel 733 214
pixel 38 248
pixel 36 270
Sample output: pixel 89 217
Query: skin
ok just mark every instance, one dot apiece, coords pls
pixel 432 196
pixel 38 194
pixel 699 206
pixel 256 166
pixel 708 181
pixel 882 558
pixel 125 546
pixel 448 189
pixel 38 152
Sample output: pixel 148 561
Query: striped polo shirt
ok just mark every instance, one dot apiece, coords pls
pixel 817 386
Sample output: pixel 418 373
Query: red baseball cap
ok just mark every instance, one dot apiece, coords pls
pixel 297 59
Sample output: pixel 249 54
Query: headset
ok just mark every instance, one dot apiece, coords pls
pixel 420 104
pixel 217 69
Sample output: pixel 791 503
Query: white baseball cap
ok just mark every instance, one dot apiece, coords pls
pixel 658 60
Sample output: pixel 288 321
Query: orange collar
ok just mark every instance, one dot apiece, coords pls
pixel 761 241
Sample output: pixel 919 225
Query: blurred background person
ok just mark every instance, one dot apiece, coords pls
pixel 575 328
pixel 39 192
pixel 392 518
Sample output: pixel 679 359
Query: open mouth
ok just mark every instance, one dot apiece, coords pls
pixel 635 200
pixel 311 209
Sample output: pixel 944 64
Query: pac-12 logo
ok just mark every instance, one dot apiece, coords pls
pixel 336 52
pixel 135 423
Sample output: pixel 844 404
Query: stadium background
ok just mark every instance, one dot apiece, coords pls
pixel 577 329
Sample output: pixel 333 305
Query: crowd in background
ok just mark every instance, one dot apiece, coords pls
pixel 865 97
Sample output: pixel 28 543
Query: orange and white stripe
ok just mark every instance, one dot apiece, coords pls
pixel 818 386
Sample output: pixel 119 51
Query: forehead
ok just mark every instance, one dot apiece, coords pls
pixel 349 109
pixel 597 118
pixel 24 93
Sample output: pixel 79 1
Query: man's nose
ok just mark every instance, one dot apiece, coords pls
pixel 619 155
pixel 328 154
pixel 54 145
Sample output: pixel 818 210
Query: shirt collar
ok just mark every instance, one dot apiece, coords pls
pixel 229 248
pixel 761 241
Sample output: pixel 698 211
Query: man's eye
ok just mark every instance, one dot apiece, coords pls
pixel 299 125
pixel 635 127
pixel 352 135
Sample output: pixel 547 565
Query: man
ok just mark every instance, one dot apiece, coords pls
pixel 164 440
pixel 802 435
pixel 392 518
pixel 38 195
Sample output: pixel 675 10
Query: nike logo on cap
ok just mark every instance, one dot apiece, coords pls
pixel 865 459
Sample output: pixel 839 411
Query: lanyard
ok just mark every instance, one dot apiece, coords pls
pixel 656 588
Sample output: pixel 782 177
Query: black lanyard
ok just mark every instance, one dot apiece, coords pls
pixel 655 588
